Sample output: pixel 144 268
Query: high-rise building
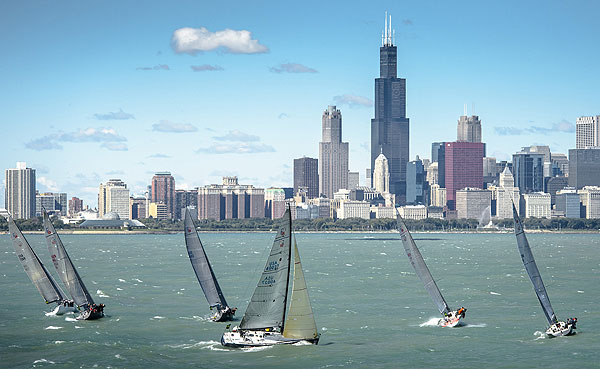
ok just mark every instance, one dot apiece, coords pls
pixel 333 154
pixel 587 132
pixel 505 195
pixel 568 203
pixel 489 170
pixel 432 173
pixel 75 206
pixel 390 126
pixel 464 168
pixel 163 191
pixel 114 197
pixel 468 129
pixel 139 207
pixel 274 203
pixel 353 180
pixel 584 167
pixel 537 205
pixel 438 154
pixel 183 200
pixel 19 195
pixel 230 201
pixel 471 203
pixel 381 174
pixel 590 201
pixel 52 202
pixel 554 184
pixel 306 174
pixel 437 196
pixel 528 171
pixel 415 182
pixel 368 175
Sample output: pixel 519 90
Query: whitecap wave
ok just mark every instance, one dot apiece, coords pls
pixel 58 342
pixel 101 294
pixel 539 335
pixel 433 322
pixel 137 280
pixel 69 319
pixel 157 317
pixel 51 327
pixel 43 361
pixel 495 293
pixel 122 280
pixel 53 312
pixel 479 325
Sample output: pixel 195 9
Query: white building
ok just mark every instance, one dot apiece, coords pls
pixel 587 132
pixel 590 198
pixel 505 194
pixel 114 197
pixel 333 154
pixel 354 209
pixel 568 203
pixel 415 212
pixel 383 212
pixel 381 174
pixel 437 195
pixel 19 195
pixel 537 205
pixel 471 203
pixel 432 173
pixel 353 180
pixel 274 203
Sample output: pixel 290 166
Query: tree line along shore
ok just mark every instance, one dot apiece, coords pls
pixel 330 225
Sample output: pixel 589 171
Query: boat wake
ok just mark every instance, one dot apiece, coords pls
pixel 51 327
pixel 480 325
pixel 433 322
pixel 197 318
pixel 69 319
pixel 52 313
pixel 539 335
pixel 101 294
pixel 203 345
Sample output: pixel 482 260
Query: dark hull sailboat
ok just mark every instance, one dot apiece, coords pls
pixel 450 318
pixel 556 328
pixel 265 322
pixel 204 273
pixel 37 272
pixel 69 275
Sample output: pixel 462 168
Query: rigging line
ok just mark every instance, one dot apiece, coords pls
pixel 257 265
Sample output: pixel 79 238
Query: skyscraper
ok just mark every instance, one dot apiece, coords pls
pixel 306 174
pixel 415 182
pixel 19 195
pixel 464 168
pixel 381 174
pixel 114 197
pixel 587 132
pixel 333 154
pixel 528 170
pixel 390 127
pixel 468 129
pixel 438 155
pixel 163 191
pixel 584 167
pixel 75 206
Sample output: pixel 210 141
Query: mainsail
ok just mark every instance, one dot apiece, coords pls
pixel 34 268
pixel 416 259
pixel 267 305
pixel 532 269
pixel 64 266
pixel 201 266
pixel 300 321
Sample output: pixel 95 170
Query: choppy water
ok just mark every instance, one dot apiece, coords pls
pixel 369 305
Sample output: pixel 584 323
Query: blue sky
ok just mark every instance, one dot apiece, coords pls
pixel 98 90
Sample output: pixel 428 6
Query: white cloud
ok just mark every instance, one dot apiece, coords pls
pixel 44 143
pixel 237 148
pixel 114 115
pixel 168 126
pixel 51 142
pixel 353 101
pixel 48 184
pixel 115 146
pixel 206 68
pixel 156 67
pixel 159 156
pixel 194 40
pixel 292 68
pixel 237 135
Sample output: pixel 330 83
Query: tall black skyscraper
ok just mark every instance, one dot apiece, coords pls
pixel 306 174
pixel 390 127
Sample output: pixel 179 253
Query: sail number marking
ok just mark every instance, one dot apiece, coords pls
pixel 268 280
pixel 273 265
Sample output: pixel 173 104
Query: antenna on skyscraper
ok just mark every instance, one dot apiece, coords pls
pixel 465 109
pixel 386 29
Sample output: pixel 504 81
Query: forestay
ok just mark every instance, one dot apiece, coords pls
pixel 34 268
pixel 64 266
pixel 416 259
pixel 267 305
pixel 532 269
pixel 201 266
pixel 300 321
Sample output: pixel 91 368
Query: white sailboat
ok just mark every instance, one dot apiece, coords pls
pixel 557 328
pixel 204 272
pixel 69 275
pixel 450 318
pixel 37 272
pixel 265 322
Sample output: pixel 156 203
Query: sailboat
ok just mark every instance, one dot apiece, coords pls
pixel 204 272
pixel 69 275
pixel 556 328
pixel 450 318
pixel 37 272
pixel 265 322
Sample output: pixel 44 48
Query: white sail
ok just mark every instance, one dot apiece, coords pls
pixel 416 260
pixel 532 269
pixel 34 268
pixel 201 265
pixel 300 321
pixel 64 266
pixel 267 305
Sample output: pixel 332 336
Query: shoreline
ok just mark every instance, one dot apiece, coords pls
pixel 164 232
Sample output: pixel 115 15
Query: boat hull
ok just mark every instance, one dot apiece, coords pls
pixel 95 312
pixel 560 329
pixel 223 315
pixel 62 309
pixel 251 338
pixel 452 320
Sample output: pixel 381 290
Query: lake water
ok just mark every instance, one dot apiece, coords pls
pixel 371 309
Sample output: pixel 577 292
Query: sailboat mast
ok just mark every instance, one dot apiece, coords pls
pixel 287 285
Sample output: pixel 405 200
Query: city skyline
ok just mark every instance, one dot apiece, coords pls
pixel 112 91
